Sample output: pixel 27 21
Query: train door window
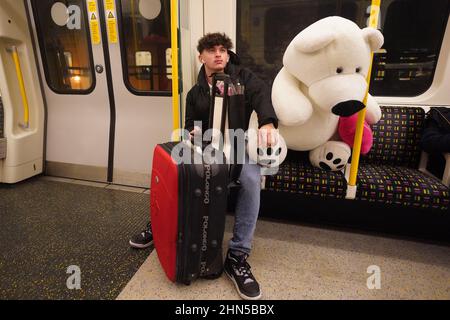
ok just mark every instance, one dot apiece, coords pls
pixel 145 34
pixel 405 66
pixel 65 46
pixel 413 33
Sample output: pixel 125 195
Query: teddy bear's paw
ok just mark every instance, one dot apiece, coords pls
pixel 267 156
pixel 331 156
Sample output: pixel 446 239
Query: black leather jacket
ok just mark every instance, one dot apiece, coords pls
pixel 257 97
pixel 436 136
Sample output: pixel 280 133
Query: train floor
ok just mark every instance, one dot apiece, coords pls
pixel 296 262
pixel 49 225
pixel 57 237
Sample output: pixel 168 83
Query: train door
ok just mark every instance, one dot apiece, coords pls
pixel 107 84
pixel 21 103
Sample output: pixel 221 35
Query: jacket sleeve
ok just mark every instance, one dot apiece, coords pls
pixel 259 97
pixel 434 139
pixel 190 116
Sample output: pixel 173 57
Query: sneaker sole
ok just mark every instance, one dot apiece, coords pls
pixel 140 246
pixel 243 296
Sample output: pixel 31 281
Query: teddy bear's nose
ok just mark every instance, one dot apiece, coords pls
pixel 347 108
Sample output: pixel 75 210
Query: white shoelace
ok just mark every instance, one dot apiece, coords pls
pixel 245 272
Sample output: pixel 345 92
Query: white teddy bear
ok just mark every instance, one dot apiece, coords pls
pixel 324 77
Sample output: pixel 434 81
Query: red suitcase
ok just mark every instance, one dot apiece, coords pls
pixel 188 205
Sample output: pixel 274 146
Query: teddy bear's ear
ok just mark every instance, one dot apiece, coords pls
pixel 373 37
pixel 312 40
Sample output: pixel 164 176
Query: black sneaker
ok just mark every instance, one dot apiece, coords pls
pixel 144 239
pixel 238 269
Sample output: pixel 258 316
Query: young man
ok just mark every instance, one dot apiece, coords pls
pixel 215 55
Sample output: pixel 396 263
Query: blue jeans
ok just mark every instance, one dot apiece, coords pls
pixel 247 208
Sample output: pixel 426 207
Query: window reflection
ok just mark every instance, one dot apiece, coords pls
pixel 64 42
pixel 145 43
pixel 405 66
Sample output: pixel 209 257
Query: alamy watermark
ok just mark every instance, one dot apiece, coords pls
pixel 66 16
pixel 74 281
pixel 207 146
pixel 374 281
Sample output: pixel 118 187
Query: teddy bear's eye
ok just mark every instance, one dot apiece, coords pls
pixel 339 70
pixel 358 69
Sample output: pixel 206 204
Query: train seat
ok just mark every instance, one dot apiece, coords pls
pixel 387 174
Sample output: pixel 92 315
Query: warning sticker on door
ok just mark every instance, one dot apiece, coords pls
pixel 92 7
pixel 109 5
pixel 93 22
pixel 112 26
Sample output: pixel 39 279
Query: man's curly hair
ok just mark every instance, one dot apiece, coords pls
pixel 210 40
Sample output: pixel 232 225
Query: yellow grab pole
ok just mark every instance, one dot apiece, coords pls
pixel 175 75
pixel 351 187
pixel 26 112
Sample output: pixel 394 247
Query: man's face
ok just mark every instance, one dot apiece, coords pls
pixel 215 58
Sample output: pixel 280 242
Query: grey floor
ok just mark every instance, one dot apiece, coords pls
pixel 49 228
pixel 301 262
pixel 88 224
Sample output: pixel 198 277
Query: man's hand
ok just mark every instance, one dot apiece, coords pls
pixel 267 135
pixel 197 130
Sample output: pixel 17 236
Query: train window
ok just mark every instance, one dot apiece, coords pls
pixel 405 66
pixel 65 45
pixel 145 35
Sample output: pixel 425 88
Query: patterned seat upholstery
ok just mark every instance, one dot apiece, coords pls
pixel 401 185
pixel 397 137
pixel 388 174
pixel 297 175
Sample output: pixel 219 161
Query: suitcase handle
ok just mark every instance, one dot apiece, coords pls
pixel 220 76
pixel 235 169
